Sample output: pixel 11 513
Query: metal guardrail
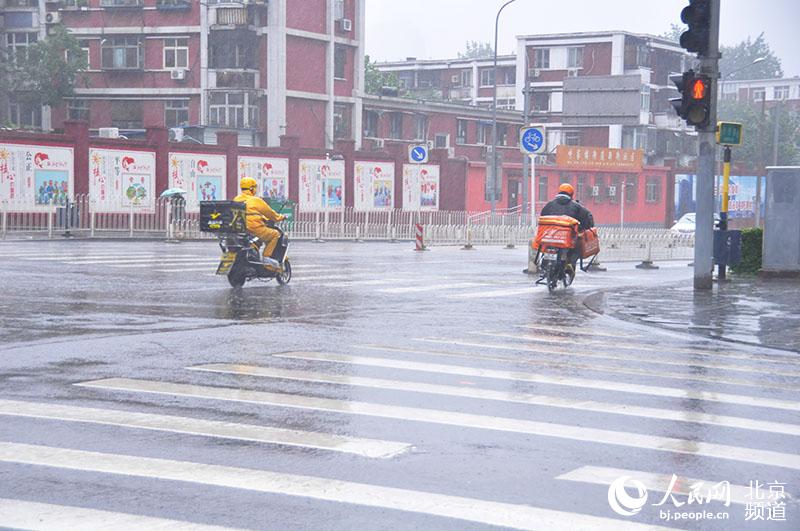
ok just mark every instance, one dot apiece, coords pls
pixel 168 219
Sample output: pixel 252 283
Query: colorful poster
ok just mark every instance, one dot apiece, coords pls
pixel 420 187
pixel 321 185
pixel 121 180
pixel 203 177
pixel 272 175
pixel 35 177
pixel 741 195
pixel 374 185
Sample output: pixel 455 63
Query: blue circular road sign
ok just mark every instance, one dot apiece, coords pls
pixel 531 139
pixel 419 154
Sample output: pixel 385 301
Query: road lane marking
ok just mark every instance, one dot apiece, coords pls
pixel 501 396
pixel 571 381
pixel 205 428
pixel 455 418
pixel 492 293
pixel 184 270
pixel 156 259
pixel 431 287
pixel 594 367
pixel 598 475
pixel 646 344
pixel 580 353
pixel 313 487
pixel 576 331
pixel 17 514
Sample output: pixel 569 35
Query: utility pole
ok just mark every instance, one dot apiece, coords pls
pixel 493 179
pixel 526 183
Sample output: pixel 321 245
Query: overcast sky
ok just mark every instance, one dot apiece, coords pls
pixel 438 29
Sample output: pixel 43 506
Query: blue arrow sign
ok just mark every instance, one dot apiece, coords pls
pixel 419 154
pixel 531 139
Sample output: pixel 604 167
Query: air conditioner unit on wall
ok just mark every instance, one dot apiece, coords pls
pixel 347 24
pixel 451 153
pixel 178 74
pixel 595 191
pixel 379 143
pixel 572 72
pixel 612 191
pixel 52 18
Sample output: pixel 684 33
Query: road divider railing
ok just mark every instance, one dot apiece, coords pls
pixel 173 220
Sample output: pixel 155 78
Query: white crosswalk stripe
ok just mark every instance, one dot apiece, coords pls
pixel 17 514
pixel 502 396
pixel 204 428
pixel 319 488
pixel 451 418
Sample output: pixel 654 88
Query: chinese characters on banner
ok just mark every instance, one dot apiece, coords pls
pixel 321 185
pixel 272 175
pixel 121 180
pixel 598 158
pixel 420 187
pixel 202 176
pixel 374 185
pixel 35 177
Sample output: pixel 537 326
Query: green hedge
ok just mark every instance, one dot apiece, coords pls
pixel 751 251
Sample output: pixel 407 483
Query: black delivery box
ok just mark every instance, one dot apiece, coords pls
pixel 222 216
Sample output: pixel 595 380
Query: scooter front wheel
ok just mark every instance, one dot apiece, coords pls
pixel 237 276
pixel 286 275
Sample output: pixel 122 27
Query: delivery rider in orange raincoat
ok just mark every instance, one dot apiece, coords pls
pixel 258 212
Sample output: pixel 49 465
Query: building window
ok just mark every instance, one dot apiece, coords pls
pixel 406 80
pixel 507 104
pixel 121 53
pixel 541 190
pixel 237 110
pixel 176 53
pixel 581 189
pixel 599 189
pixel 78 110
pixel 502 133
pixel 653 190
pixel 575 57
pixel 371 124
pixel 420 131
pixel 441 140
pixel 341 121
pixel 759 94
pixel 782 93
pixel 338 9
pixel 541 101
pixel 120 3
pixel 631 189
pixel 484 133
pixel 396 125
pixel 466 78
pixel 541 58
pixel 17 45
pixel 22 3
pixel 487 77
pixel 339 62
pixel 24 114
pixel 461 131
pixel 127 114
pixel 232 49
pixel 176 113
pixel 572 138
pixel 645 97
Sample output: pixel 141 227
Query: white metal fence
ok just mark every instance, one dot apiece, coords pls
pixel 169 220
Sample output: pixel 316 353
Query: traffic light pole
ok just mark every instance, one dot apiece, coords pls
pixel 706 159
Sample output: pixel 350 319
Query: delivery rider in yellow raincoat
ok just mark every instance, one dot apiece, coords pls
pixel 258 212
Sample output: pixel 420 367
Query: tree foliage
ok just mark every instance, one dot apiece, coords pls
pixel 477 50
pixel 674 33
pixel 374 79
pixel 737 61
pixel 758 124
pixel 47 72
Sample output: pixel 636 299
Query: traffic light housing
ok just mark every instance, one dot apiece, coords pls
pixel 697 15
pixel 694 105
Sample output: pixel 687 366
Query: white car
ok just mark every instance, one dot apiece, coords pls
pixel 686 224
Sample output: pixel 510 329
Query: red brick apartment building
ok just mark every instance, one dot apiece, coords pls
pixel 263 68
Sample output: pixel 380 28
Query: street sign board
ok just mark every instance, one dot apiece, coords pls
pixel 729 133
pixel 418 153
pixel 532 139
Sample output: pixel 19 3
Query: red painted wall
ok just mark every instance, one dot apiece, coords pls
pixel 308 15
pixel 306 59
pixel 306 119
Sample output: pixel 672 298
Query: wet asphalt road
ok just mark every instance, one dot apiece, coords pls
pixel 381 389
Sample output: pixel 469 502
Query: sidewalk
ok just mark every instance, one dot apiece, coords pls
pixel 746 309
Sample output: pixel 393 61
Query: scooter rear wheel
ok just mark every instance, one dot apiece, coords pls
pixel 286 275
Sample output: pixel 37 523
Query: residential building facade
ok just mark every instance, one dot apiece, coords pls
pixel 264 69
pixel 766 92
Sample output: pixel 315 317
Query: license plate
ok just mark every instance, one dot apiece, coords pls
pixel 226 262
pixel 549 256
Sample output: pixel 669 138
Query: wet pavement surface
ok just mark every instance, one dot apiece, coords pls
pixel 764 312
pixel 381 389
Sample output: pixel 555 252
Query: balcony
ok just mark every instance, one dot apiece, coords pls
pixel 122 4
pixel 230 16
pixel 173 5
